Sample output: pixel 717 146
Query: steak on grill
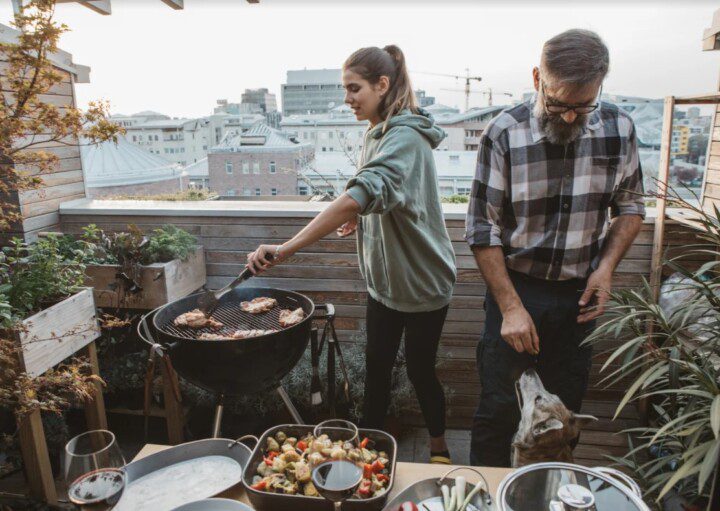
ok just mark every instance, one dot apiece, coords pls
pixel 258 305
pixel 196 319
pixel 289 318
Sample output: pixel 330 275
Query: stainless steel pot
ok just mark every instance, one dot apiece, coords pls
pixel 558 486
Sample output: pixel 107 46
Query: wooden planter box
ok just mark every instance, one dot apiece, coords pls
pixel 52 335
pixel 46 339
pixel 161 282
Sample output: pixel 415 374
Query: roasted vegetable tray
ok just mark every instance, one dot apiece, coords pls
pixel 267 501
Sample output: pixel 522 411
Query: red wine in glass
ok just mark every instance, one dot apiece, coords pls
pixel 336 480
pixel 98 490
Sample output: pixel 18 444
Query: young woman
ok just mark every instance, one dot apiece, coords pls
pixel 404 249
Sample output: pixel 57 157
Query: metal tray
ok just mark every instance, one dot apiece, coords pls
pixel 427 497
pixel 266 501
pixel 214 505
pixel 232 449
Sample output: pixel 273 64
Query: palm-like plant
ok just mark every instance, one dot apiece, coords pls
pixel 670 354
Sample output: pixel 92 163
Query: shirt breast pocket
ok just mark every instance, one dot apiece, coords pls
pixel 604 181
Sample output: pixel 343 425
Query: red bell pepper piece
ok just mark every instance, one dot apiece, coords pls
pixel 302 445
pixel 364 442
pixel 382 477
pixel 260 485
pixel 364 490
pixel 270 457
pixel 377 466
pixel 367 471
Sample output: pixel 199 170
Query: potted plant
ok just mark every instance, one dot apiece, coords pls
pixel 46 316
pixel 132 270
pixel 676 366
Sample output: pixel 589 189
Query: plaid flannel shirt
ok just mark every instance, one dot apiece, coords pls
pixel 547 205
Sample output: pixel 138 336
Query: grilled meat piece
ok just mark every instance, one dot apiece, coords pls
pixel 246 334
pixel 196 319
pixel 258 305
pixel 207 336
pixel 289 318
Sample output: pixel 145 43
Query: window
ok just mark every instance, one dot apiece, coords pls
pixel 302 190
pixel 134 138
pixel 273 191
pixel 230 193
pixel 272 167
pixel 246 168
pixel 228 167
pixel 306 135
pixel 156 138
pixel 182 149
pixel 455 159
pixel 323 149
pixel 247 191
pixel 204 148
pixel 330 135
pixel 256 167
pixel 167 151
pixel 257 191
pixel 463 190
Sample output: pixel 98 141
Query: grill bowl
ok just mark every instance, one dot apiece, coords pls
pixel 236 367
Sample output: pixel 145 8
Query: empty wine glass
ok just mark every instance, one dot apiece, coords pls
pixel 337 479
pixel 94 470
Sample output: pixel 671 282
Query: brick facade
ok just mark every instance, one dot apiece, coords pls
pixel 157 187
pixel 246 172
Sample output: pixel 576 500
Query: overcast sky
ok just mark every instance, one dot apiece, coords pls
pixel 148 56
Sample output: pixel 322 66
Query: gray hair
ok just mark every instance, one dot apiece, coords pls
pixel 575 57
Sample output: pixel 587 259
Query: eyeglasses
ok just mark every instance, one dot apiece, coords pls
pixel 557 108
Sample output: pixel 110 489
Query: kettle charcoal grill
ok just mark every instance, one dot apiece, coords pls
pixel 233 367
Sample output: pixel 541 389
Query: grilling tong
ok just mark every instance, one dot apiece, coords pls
pixel 209 301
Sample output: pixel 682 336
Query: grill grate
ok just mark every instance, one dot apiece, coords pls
pixel 234 318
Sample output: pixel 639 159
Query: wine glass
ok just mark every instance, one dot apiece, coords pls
pixel 94 470
pixel 337 479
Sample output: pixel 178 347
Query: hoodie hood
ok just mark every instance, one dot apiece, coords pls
pixel 422 122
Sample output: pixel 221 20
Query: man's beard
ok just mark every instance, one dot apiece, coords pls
pixel 556 130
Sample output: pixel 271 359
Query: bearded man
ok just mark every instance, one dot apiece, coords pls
pixel 556 202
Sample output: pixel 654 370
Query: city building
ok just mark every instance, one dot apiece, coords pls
pixel 258 161
pixel 340 131
pixel 312 91
pixel 423 99
pixel 125 169
pixel 679 140
pixel 261 97
pixel 329 172
pixel 182 141
pixel 197 174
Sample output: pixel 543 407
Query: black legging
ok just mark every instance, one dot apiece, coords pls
pixel 422 334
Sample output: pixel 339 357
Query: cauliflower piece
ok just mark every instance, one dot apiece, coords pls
pixel 302 472
pixel 315 458
pixel 309 490
pixel 287 448
pixel 354 455
pixel 263 469
pixel 279 465
pixel 291 440
pixel 338 453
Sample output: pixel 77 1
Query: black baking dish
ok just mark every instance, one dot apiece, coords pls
pixel 266 501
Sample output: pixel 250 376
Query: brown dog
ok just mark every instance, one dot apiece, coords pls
pixel 548 431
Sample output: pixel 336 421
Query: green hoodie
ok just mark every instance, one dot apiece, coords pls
pixel 405 252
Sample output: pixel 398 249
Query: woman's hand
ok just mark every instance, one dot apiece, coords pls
pixel 347 228
pixel 265 257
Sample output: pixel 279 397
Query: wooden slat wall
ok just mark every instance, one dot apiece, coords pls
pixel 711 190
pixel 328 272
pixel 39 207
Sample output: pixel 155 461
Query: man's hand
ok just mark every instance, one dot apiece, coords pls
pixel 597 292
pixel 518 330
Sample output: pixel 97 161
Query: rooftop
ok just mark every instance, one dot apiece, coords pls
pixel 313 76
pixel 258 137
pixel 121 164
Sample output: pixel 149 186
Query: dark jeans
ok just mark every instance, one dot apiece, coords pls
pixel 385 327
pixel 563 365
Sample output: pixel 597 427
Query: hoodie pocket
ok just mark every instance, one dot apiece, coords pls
pixel 375 266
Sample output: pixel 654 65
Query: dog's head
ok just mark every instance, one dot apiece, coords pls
pixel 547 430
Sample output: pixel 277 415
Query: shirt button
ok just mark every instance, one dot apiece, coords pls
pixel 565 206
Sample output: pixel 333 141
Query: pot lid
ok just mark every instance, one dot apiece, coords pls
pixel 565 487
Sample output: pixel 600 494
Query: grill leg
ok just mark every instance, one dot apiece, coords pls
pixel 290 406
pixel 218 416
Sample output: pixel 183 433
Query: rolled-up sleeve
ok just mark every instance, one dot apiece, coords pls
pixel 483 224
pixel 378 185
pixel 629 199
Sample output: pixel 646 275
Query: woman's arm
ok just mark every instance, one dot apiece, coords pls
pixel 341 210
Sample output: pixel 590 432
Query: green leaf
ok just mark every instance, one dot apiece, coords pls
pixel 715 416
pixel 709 464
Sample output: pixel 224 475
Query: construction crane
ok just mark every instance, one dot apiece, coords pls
pixel 465 77
pixel 488 92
